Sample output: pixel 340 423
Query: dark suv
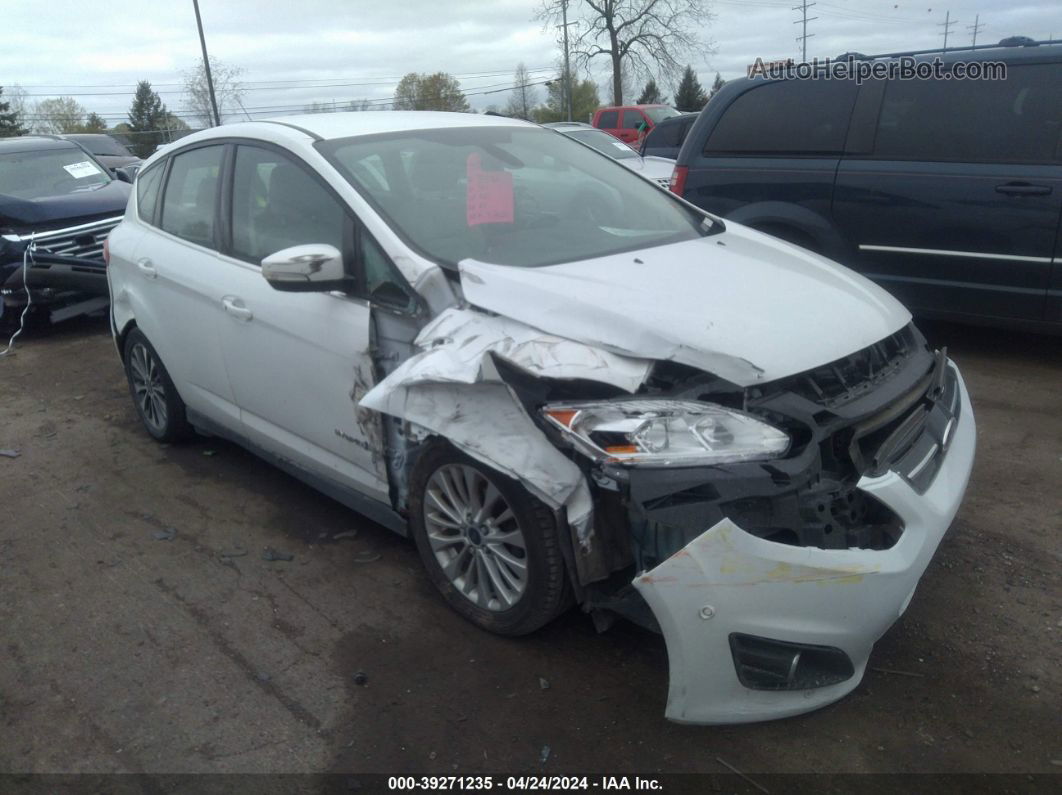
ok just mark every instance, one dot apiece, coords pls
pixel 55 194
pixel 948 192
pixel 666 138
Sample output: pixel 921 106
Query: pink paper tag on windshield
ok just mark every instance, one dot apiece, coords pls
pixel 490 194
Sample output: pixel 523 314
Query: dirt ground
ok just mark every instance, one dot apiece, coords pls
pixel 123 651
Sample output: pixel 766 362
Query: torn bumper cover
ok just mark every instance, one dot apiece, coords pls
pixel 757 630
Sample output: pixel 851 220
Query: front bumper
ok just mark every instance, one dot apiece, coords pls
pixel 728 581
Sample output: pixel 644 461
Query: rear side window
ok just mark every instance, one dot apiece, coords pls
pixel 608 120
pixel 1017 120
pixel 191 195
pixel 632 120
pixel 666 135
pixel 276 204
pixel 786 117
pixel 147 192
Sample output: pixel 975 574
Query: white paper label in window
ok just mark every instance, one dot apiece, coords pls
pixel 81 170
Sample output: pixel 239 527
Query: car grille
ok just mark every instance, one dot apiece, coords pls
pixel 839 382
pixel 664 182
pixel 84 241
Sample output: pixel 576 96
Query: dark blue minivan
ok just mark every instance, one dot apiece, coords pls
pixel 946 191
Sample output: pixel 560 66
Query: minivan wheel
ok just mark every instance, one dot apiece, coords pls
pixel 156 400
pixel 489 546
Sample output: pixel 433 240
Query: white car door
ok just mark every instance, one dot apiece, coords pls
pixel 297 361
pixel 175 282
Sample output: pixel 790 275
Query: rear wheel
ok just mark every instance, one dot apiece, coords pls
pixel 157 403
pixel 489 546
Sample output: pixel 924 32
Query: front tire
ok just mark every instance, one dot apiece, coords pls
pixel 490 547
pixel 157 403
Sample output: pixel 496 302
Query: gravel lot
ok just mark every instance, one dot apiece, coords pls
pixel 125 651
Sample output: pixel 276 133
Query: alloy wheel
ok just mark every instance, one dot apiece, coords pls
pixel 475 537
pixel 149 389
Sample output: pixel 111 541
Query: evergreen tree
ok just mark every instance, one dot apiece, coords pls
pixel 716 85
pixel 94 124
pixel 147 118
pixel 651 94
pixel 9 121
pixel 689 96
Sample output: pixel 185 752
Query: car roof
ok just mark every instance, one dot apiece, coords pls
pixel 31 143
pixel 342 125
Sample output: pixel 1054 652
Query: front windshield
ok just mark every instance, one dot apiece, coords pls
pixel 603 142
pixel 508 195
pixel 101 145
pixel 658 114
pixel 49 172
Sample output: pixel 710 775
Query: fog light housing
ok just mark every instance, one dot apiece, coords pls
pixel 765 664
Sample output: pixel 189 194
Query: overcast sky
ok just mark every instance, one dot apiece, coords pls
pixel 296 52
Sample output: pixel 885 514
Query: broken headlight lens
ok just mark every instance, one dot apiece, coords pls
pixel 666 432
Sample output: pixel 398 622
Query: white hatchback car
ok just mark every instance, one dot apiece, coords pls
pixel 564 383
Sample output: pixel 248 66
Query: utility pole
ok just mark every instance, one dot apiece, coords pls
pixel 803 21
pixel 206 64
pixel 975 27
pixel 946 24
pixel 567 84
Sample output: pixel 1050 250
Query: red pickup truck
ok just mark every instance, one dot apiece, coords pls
pixel 631 122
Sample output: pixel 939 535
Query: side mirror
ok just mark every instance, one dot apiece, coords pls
pixel 122 175
pixel 312 268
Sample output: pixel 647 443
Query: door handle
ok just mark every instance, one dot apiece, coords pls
pixel 1023 189
pixel 147 267
pixel 235 307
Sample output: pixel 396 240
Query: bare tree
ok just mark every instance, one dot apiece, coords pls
pixel 227 89
pixel 645 36
pixel 524 97
pixel 59 115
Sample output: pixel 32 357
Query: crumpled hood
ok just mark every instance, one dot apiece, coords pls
pixel 740 304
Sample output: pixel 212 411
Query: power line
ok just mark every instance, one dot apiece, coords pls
pixel 264 84
pixel 276 110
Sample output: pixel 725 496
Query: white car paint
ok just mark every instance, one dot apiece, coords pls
pixel 719 303
pixel 727 580
pixel 292 371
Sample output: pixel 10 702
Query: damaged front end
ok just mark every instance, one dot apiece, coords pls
pixel 772 579
pixel 772 551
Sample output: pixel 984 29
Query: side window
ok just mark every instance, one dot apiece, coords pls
pixel 666 135
pixel 147 192
pixel 632 120
pixel 191 195
pixel 382 284
pixel 786 117
pixel 277 204
pixel 1016 120
pixel 608 120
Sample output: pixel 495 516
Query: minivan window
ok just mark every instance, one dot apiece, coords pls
pixel 786 117
pixel 191 195
pixel 1016 120
pixel 509 195
pixel 147 192
pixel 608 120
pixel 276 204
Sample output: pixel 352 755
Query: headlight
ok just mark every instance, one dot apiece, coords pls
pixel 666 432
